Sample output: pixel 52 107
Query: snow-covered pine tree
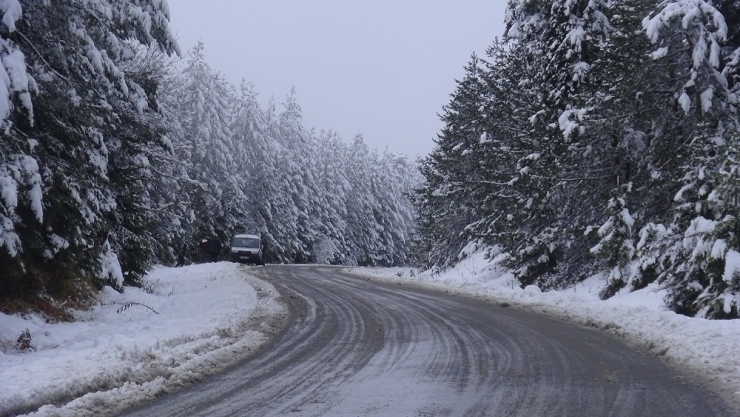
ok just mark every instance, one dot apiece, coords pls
pixel 297 180
pixel 141 233
pixel 84 101
pixel 172 229
pixel 281 215
pixel 689 38
pixel 253 151
pixel 204 147
pixel 394 197
pixel 561 40
pixel 330 213
pixel 498 177
pixel 449 207
pixel 615 248
pixel 389 222
pixel 362 228
pixel 622 111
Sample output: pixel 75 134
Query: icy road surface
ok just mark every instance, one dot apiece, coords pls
pixel 357 348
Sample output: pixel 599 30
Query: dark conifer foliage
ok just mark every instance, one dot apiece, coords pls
pixel 597 137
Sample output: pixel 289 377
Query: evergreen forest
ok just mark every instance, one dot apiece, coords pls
pixel 594 137
pixel 598 137
pixel 119 152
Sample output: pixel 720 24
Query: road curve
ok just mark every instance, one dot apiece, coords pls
pixel 357 348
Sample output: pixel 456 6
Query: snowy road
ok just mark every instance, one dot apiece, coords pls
pixel 359 348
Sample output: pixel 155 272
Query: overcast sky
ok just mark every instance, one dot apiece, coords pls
pixel 383 68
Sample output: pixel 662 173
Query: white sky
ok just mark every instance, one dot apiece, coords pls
pixel 383 68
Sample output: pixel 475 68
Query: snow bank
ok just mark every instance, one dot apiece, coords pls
pixel 137 345
pixel 705 348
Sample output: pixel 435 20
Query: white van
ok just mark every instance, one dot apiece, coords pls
pixel 246 249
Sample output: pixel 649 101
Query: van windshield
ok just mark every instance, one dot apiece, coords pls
pixel 246 242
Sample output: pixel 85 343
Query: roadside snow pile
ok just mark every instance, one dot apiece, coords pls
pixel 134 346
pixel 701 347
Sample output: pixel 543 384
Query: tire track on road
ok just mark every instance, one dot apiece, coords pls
pixel 359 348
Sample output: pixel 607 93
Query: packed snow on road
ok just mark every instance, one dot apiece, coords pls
pixel 700 346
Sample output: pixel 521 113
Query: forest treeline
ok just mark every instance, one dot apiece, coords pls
pixel 595 137
pixel 598 136
pixel 117 155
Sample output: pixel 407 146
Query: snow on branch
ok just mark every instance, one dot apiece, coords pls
pixel 705 28
pixel 688 11
pixel 698 16
pixel 570 120
pixel 14 79
pixel 12 12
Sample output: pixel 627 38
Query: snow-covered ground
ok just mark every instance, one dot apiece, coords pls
pixel 708 348
pixel 210 316
pixel 121 352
